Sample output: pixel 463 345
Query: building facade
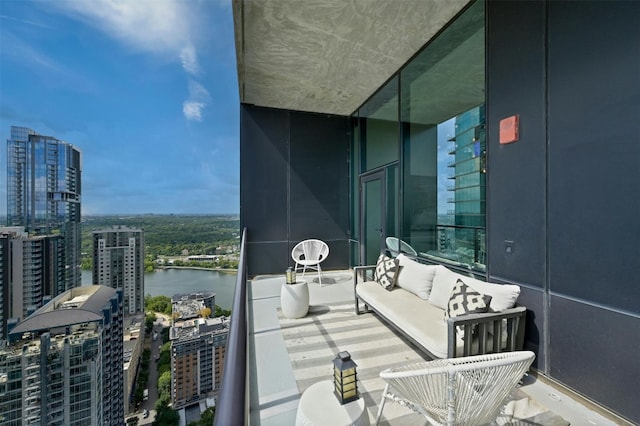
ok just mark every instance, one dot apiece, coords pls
pixel 32 272
pixel 498 138
pixel 134 329
pixel 198 348
pixel 118 262
pixel 44 192
pixel 63 364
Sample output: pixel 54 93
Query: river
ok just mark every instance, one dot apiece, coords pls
pixel 167 282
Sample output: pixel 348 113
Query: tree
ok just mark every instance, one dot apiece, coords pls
pixel 206 418
pixel 150 319
pixel 222 312
pixel 165 415
pixel 164 384
pixel 205 312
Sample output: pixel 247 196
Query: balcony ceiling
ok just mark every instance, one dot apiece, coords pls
pixel 328 56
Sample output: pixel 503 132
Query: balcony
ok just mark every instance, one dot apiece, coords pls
pixel 274 376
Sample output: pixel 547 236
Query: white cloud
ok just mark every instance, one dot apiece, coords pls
pixel 189 59
pixel 193 110
pixel 198 99
pixel 159 27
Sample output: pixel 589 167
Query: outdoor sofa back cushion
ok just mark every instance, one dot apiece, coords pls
pixel 503 296
pixel 415 277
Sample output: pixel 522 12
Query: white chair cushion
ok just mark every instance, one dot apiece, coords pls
pixel 415 276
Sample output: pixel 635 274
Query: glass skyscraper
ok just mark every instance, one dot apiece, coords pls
pixel 43 192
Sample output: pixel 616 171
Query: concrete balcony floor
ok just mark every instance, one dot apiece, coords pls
pixel 274 392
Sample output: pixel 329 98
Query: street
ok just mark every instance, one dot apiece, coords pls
pixel 152 385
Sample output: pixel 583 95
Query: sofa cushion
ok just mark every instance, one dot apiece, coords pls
pixel 443 283
pixel 386 271
pixel 415 317
pixel 503 296
pixel 415 277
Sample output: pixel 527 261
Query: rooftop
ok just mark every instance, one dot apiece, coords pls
pixel 287 356
pixel 87 302
pixel 195 327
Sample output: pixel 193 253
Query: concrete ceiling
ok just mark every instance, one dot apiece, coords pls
pixel 328 56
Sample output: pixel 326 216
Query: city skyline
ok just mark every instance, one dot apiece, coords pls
pixel 153 112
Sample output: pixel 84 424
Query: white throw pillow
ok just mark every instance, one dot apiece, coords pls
pixel 443 283
pixel 503 296
pixel 415 277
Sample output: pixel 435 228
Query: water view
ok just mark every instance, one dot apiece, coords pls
pixel 167 282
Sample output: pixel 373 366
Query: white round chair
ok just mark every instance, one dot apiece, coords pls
pixel 309 254
pixel 397 246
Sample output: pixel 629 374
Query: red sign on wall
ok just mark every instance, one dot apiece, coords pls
pixel 509 129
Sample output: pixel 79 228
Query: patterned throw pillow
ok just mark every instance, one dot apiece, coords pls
pixel 465 300
pixel 386 271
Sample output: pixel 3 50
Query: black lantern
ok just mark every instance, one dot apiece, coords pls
pixel 345 384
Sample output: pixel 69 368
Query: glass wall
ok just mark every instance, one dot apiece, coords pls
pixel 379 127
pixel 436 175
pixel 354 173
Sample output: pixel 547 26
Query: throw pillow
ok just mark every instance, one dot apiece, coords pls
pixel 415 277
pixel 443 283
pixel 463 301
pixel 386 271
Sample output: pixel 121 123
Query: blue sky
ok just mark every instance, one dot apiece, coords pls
pixel 146 89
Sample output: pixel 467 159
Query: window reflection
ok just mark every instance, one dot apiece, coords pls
pixel 442 113
pixel 379 127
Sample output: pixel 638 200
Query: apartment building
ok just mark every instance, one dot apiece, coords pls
pixel 118 262
pixel 44 192
pixel 197 355
pixel 63 364
pixel 32 272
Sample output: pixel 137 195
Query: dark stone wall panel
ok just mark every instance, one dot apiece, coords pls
pixel 319 179
pixel 294 185
pixel 595 351
pixel 264 145
pixel 533 299
pixel 516 172
pixel 594 151
pixel 268 258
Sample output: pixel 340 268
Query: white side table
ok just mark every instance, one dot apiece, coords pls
pixel 319 406
pixel 294 299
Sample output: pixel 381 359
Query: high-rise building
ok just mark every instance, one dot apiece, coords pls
pixel 32 272
pixel 63 364
pixel 198 347
pixel 43 192
pixel 118 262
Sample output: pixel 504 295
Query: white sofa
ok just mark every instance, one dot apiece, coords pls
pixel 417 303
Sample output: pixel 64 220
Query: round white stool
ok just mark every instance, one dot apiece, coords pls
pixel 294 299
pixel 319 406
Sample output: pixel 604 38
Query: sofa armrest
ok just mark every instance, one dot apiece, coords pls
pixel 489 325
pixel 361 272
